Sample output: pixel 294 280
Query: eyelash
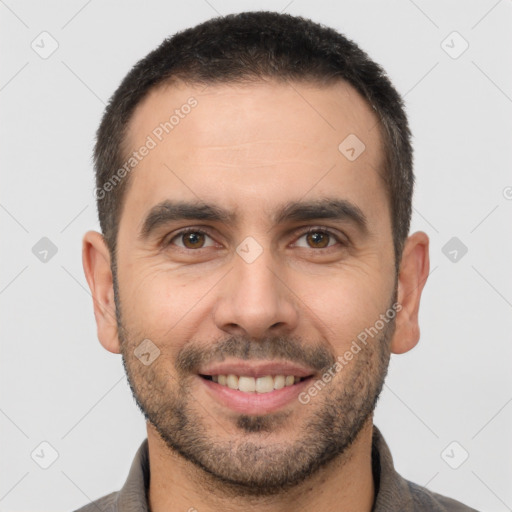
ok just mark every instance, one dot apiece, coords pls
pixel 300 234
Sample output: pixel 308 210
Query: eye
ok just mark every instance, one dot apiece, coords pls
pixel 315 238
pixel 319 238
pixel 191 238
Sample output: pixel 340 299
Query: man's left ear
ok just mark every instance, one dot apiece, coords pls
pixel 414 270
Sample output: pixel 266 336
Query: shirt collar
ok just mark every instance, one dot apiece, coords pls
pixel 134 494
pixel 390 488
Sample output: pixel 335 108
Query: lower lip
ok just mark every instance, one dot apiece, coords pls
pixel 254 403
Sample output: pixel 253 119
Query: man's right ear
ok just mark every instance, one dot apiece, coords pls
pixel 96 262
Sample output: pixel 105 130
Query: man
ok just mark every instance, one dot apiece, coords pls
pixel 254 185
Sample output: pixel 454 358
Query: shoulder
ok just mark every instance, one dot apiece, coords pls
pixel 107 503
pixel 423 499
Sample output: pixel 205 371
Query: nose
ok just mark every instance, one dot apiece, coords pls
pixel 255 300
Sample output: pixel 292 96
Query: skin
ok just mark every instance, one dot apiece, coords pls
pixel 250 149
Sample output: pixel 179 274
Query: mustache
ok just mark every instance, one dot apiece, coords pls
pixel 195 355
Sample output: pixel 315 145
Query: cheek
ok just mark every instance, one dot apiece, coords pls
pixel 348 303
pixel 157 303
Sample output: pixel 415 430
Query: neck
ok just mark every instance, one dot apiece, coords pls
pixel 346 484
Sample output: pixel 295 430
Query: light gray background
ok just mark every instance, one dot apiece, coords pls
pixel 60 386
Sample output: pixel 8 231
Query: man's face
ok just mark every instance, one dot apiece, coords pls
pixel 255 295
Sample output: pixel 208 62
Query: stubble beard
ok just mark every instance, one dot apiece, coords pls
pixel 250 465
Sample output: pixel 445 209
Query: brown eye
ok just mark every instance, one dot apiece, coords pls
pixel 191 239
pixel 318 239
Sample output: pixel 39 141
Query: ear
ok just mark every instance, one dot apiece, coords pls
pixel 414 269
pixel 96 263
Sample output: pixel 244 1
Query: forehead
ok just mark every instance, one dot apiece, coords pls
pixel 254 144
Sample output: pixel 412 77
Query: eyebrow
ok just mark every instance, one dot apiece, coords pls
pixel 169 211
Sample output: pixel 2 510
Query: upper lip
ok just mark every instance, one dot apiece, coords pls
pixel 256 369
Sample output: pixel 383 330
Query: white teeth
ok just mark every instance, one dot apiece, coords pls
pixel 232 381
pixel 247 384
pixel 279 381
pixel 264 384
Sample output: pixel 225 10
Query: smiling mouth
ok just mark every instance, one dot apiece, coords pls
pixel 260 385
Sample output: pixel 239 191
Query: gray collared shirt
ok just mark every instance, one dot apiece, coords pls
pixel 392 492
